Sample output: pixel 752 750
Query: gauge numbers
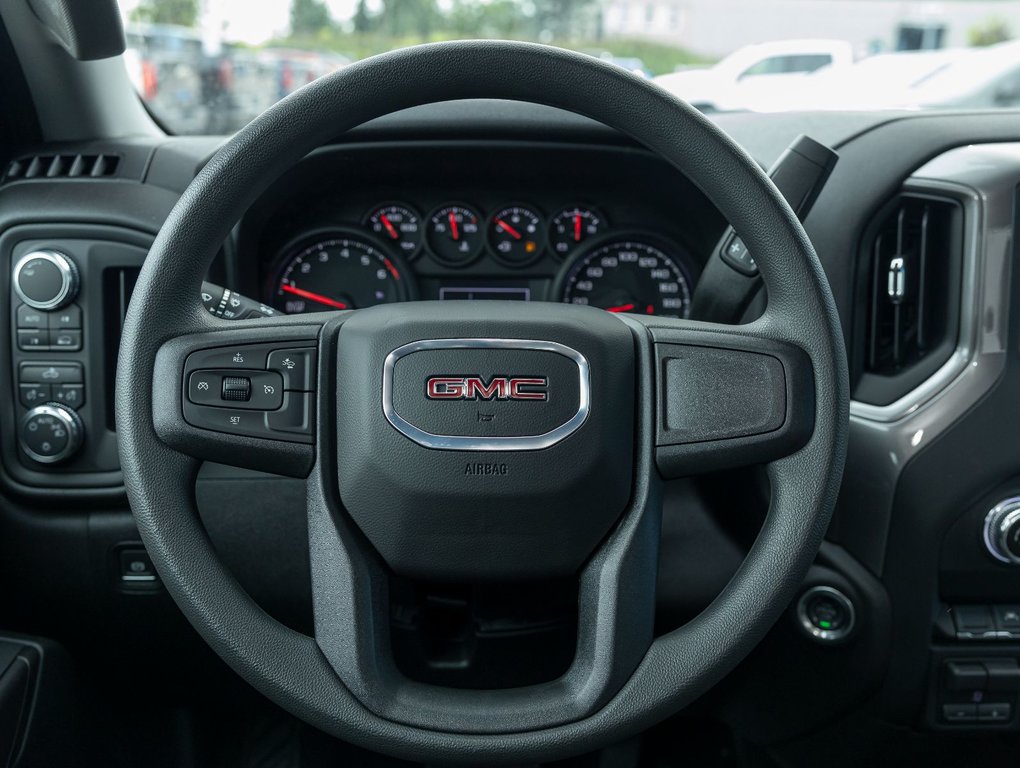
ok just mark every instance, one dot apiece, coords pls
pixel 628 276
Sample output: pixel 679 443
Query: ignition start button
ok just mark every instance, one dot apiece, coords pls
pixel 825 614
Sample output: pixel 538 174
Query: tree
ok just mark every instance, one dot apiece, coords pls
pixel 403 18
pixel 307 17
pixel 182 12
pixel 362 19
pixel 989 32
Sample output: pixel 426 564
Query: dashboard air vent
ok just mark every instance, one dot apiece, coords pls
pixel 61 167
pixel 912 263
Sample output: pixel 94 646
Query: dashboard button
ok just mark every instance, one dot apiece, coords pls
pixel 51 374
pixel 959 713
pixel 241 356
pixel 204 387
pixel 31 395
pixel 71 395
pixel 230 420
pixel 295 416
pixel 1007 617
pixel 296 366
pixel 135 566
pixel 826 614
pixel 735 254
pixel 29 317
pixel 1003 675
pixel 33 340
pixel 994 712
pixel 66 319
pixel 65 341
pixel 966 676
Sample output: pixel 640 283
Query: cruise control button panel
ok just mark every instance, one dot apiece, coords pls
pixel 254 390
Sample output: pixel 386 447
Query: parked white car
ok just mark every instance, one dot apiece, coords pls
pixel 973 78
pixel 761 67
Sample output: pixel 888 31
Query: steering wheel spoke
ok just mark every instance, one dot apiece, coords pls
pixel 727 396
pixel 244 396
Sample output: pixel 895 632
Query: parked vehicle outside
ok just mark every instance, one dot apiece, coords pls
pixel 765 66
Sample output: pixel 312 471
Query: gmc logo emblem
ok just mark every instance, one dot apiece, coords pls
pixel 497 388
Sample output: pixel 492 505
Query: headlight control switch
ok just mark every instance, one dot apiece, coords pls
pixel 51 433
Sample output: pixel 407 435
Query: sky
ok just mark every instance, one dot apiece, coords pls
pixel 250 21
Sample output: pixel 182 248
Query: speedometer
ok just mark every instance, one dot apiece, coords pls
pixel 628 275
pixel 339 271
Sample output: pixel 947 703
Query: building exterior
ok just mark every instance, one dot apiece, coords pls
pixel 718 27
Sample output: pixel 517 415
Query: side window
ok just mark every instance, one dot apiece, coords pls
pixel 788 64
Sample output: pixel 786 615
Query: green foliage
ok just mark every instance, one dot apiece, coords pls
pixel 309 17
pixel 400 18
pixel 572 24
pixel 182 12
pixel 989 32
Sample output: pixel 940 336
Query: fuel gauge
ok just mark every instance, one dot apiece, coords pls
pixel 516 234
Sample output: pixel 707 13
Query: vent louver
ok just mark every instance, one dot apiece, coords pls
pixel 913 268
pixel 70 166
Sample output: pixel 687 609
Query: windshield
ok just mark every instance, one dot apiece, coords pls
pixel 210 66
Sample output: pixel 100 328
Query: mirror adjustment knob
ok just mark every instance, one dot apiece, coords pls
pixel 45 279
pixel 51 433
pixel 1002 531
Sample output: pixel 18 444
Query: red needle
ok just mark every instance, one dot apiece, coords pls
pixel 389 227
pixel 577 227
pixel 508 229
pixel 453 227
pixel 621 308
pixel 313 296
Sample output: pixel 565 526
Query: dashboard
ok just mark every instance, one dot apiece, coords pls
pixel 613 228
pixel 906 541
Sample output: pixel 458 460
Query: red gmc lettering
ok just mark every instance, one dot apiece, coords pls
pixel 476 388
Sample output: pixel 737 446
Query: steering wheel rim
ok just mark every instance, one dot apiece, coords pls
pixel 293 669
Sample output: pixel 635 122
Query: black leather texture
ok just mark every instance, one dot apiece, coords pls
pixel 289 667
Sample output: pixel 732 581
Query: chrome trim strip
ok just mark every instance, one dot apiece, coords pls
pixel 468 443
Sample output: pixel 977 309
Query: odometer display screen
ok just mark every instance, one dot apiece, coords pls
pixel 629 276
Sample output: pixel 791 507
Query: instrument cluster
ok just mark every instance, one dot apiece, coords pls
pixel 573 255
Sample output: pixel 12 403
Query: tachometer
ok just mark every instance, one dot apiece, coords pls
pixel 339 271
pixel 627 275
pixel 397 224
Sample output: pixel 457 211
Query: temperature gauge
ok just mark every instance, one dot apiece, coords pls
pixel 454 234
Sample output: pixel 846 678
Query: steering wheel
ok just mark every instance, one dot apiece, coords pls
pixel 481 442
